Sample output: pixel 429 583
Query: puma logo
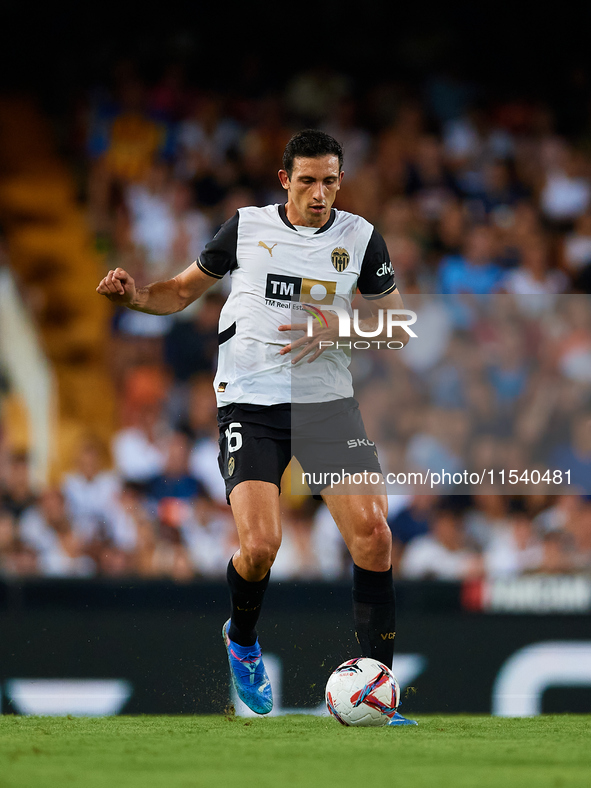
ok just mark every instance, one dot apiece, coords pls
pixel 387 635
pixel 268 248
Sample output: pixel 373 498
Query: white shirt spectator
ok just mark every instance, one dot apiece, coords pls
pixel 34 531
pixel 136 458
pixel 203 465
pixel 426 558
pixel 565 198
pixel 577 251
pixel 311 551
pixel 522 282
pixel 57 563
pixel 152 222
pixel 328 545
pixel 425 350
pixel 533 295
pixel 504 557
pixel 92 501
pixel 210 539
pixel 50 530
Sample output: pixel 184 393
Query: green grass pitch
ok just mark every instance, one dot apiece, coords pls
pixel 294 751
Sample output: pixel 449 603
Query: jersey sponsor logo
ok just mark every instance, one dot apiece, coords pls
pixel 355 442
pixel 340 258
pixel 268 248
pixel 283 288
pixel 294 288
pixel 385 269
pixel 318 291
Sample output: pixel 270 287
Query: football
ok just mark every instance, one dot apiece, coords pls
pixel 362 692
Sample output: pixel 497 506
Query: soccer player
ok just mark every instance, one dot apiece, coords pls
pixel 280 257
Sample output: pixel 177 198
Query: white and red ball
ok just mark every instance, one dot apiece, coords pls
pixel 362 692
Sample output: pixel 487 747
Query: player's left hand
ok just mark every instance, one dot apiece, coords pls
pixel 306 345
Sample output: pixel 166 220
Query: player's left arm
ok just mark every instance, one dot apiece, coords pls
pixel 392 302
pixel 377 285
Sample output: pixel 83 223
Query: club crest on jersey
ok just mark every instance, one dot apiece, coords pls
pixel 231 466
pixel 340 258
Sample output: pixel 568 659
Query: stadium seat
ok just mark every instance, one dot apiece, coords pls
pixel 51 251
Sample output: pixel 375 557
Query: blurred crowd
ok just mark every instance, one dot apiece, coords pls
pixel 131 521
pixel 471 196
pixel 486 210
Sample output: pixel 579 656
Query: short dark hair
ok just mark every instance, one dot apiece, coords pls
pixel 309 144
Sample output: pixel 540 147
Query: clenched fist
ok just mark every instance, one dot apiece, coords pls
pixel 118 286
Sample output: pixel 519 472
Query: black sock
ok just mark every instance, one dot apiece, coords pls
pixel 374 613
pixel 246 599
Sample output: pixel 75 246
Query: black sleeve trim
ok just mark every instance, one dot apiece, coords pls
pixel 380 295
pixel 227 334
pixel 205 271
pixel 376 278
pixel 219 256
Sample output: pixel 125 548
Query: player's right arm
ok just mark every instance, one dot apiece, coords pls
pixel 164 298
pixel 158 298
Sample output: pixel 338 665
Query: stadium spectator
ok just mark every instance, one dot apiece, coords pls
pixel 139 450
pixel 442 554
pixel 57 538
pixel 206 140
pixel 209 536
pixel 130 509
pixel 509 369
pixel 413 520
pixel 573 456
pixel 487 514
pixel 8 536
pixel 566 193
pixel 16 494
pixel 440 443
pixel 175 481
pixel 165 226
pixel 343 125
pixel 91 491
pixel 578 531
pixel 556 556
pixel 190 347
pixel 559 512
pixel 475 271
pixel 430 185
pixel 500 192
pixel 312 547
pixel 533 281
pixel 19 561
pixel 515 548
pixel 575 253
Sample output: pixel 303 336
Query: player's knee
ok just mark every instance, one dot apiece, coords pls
pixel 259 554
pixel 373 541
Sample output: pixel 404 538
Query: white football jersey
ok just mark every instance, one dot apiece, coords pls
pixel 275 268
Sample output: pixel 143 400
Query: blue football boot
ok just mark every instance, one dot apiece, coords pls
pixel 249 674
pixel 398 719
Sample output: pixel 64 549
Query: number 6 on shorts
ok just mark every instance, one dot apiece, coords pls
pixel 234 438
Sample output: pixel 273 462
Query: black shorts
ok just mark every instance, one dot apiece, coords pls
pixel 257 442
